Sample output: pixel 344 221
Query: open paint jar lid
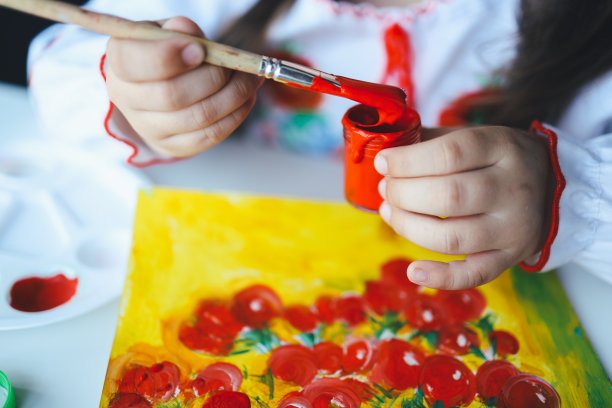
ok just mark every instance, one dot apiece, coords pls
pixel 7 397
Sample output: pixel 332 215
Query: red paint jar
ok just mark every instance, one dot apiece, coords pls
pixel 361 144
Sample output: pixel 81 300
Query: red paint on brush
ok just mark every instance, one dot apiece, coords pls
pixel 389 102
pixel 36 294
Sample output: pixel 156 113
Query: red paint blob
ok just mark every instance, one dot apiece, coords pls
pixel 37 294
pixel 362 141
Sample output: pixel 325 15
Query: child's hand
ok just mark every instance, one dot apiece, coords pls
pixel 493 185
pixel 178 105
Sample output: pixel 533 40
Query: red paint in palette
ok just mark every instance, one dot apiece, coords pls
pixel 36 294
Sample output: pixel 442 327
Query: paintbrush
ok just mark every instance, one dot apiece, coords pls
pixel 389 99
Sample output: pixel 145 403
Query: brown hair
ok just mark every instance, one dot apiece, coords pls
pixel 563 45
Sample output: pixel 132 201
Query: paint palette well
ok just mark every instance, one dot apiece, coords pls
pixel 65 211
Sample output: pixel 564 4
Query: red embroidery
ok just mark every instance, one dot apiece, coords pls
pixel 536 126
pixel 134 147
pixel 399 61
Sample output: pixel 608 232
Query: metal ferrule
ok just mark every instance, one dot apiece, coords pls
pixel 290 72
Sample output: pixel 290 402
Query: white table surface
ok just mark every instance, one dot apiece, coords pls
pixel 63 365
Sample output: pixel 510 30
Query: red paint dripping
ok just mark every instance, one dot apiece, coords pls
pixel 399 61
pixel 363 142
pixel 36 294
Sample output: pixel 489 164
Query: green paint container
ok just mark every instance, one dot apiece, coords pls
pixel 6 392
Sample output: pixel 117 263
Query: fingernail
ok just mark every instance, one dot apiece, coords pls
pixel 418 275
pixel 382 188
pixel 385 211
pixel 192 55
pixel 380 164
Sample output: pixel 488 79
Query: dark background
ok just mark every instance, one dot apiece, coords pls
pixel 16 32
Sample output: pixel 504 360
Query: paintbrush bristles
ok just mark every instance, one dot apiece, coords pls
pixel 216 54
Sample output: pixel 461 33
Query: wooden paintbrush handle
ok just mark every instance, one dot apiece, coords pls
pixel 216 54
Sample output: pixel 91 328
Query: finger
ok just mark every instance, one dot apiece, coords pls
pixel 239 89
pixel 460 150
pixel 139 60
pixel 455 235
pixel 432 133
pixel 467 193
pixel 188 144
pixel 168 95
pixel 474 270
pixel 182 25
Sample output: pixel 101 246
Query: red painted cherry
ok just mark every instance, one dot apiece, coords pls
pixel 228 399
pixel 294 399
pixel 398 364
pixel 457 339
pixel 332 392
pixel 324 309
pixel 526 390
pixel 256 305
pixel 129 401
pixel 463 305
pixel 215 319
pixel 350 309
pixel 384 297
pixel 138 380
pixel 505 342
pixel 195 339
pixel 329 356
pixel 491 377
pixel 425 313
pixel 446 379
pixel 216 377
pixel 293 363
pixel 358 356
pixel 167 377
pixel 301 317
pixel 395 272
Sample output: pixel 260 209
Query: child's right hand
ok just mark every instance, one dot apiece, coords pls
pixel 178 105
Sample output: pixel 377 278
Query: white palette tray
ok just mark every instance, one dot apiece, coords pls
pixel 66 211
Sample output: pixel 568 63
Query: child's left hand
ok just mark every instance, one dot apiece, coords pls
pixel 492 185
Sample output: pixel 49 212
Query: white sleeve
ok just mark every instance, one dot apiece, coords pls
pixel 67 88
pixel 584 153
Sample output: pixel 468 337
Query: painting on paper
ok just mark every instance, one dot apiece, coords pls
pixel 241 301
